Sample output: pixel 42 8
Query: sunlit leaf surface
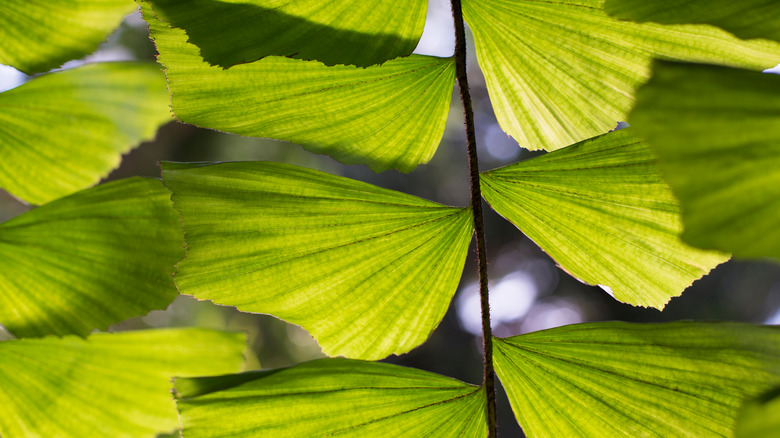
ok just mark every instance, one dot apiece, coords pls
pixel 361 33
pixel 716 132
pixel 89 260
pixel 678 379
pixel 62 132
pixel 112 385
pixel 760 417
pixel 745 18
pixel 40 35
pixel 367 271
pixel 388 116
pixel 561 71
pixel 332 397
pixel 602 211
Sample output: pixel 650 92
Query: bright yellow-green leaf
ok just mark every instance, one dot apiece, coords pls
pixel 332 397
pixel 89 260
pixel 108 385
pixel 617 379
pixel 561 71
pixel 388 116
pixel 716 132
pixel 760 417
pixel 42 34
pixel 744 18
pixel 602 211
pixel 363 33
pixel 367 271
pixel 62 132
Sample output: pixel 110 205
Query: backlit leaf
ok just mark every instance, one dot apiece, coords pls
pixel 561 71
pixel 332 397
pixel 388 116
pixel 367 271
pixel 112 385
pixel 62 132
pixel 362 33
pixel 40 35
pixel 716 132
pixel 89 260
pixel 602 211
pixel 678 379
pixel 745 18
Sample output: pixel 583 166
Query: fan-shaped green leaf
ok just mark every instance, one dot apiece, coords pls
pixel 760 417
pixel 367 271
pixel 332 397
pixel 38 36
pixel 361 33
pixel 115 385
pixel 745 18
pixel 653 380
pixel 89 260
pixel 602 211
pixel 561 71
pixel 716 132
pixel 388 116
pixel 62 132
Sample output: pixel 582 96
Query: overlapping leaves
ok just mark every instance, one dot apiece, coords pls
pixel 617 379
pixel 560 71
pixel 745 19
pixel 107 385
pixel 62 132
pixel 41 35
pixel 89 260
pixel 388 116
pixel 335 32
pixel 716 132
pixel 367 271
pixel 332 397
pixel 599 208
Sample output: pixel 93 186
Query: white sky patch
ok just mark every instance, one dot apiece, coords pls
pixel 608 290
pixel 775 70
pixel 773 302
pixel 111 54
pixel 438 38
pixel 10 78
pixel 5 335
pixel 510 300
pixel 774 319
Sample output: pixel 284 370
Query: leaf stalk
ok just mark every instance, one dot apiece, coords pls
pixel 488 374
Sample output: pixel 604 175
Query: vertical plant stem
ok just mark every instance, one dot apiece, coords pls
pixel 488 375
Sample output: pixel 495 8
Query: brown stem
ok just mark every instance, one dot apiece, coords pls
pixel 488 376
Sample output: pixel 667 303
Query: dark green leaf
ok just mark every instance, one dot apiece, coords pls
pixel 89 260
pixel 388 116
pixel 62 132
pixel 678 379
pixel 716 132
pixel 760 417
pixel 109 385
pixel 744 18
pixel 42 34
pixel 602 211
pixel 361 33
pixel 367 271
pixel 332 397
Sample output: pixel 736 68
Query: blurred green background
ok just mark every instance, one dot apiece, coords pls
pixel 528 291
